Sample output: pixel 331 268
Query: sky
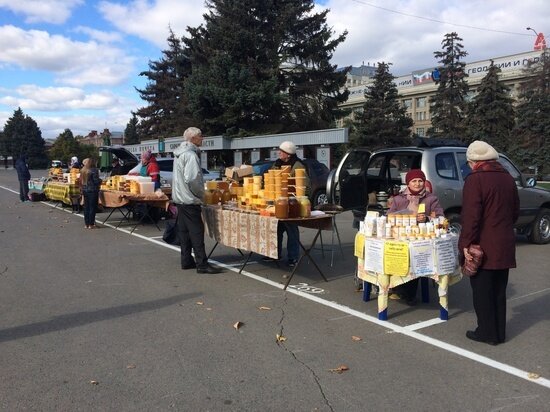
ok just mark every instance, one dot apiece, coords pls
pixel 75 64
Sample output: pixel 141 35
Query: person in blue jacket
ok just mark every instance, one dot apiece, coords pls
pixel 24 176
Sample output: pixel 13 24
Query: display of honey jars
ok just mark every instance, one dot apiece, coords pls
pixel 293 207
pixel 281 208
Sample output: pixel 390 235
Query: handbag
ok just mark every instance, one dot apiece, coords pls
pixel 170 234
pixel 470 267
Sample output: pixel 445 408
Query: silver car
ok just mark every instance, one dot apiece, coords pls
pixel 445 168
pixel 166 166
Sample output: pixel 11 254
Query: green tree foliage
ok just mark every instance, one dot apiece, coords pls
pixel 131 135
pixel 448 104
pixel 166 113
pixel 23 136
pixel 263 66
pixel 491 114
pixel 531 145
pixel 66 145
pixel 384 121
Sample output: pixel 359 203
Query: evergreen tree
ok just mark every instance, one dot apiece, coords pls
pixel 166 113
pixel 491 114
pixel 448 105
pixel 531 145
pixel 131 132
pixel 66 145
pixel 23 136
pixel 384 121
pixel 263 66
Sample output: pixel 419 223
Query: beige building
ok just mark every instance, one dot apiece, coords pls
pixel 98 139
pixel 415 89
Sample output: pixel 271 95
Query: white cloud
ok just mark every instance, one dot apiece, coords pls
pixel 98 35
pixel 74 62
pixel 50 11
pixel 409 42
pixel 32 97
pixel 151 20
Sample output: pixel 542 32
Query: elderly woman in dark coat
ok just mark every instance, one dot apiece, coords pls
pixel 490 207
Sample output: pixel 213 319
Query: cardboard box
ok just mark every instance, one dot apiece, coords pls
pixel 238 172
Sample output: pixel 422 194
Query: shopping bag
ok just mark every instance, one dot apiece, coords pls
pixel 170 234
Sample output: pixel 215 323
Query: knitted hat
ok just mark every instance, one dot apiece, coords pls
pixel 146 156
pixel 479 150
pixel 415 174
pixel 288 147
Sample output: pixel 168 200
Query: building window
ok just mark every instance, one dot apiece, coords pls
pixel 420 102
pixel 420 132
pixel 407 104
pixel 421 116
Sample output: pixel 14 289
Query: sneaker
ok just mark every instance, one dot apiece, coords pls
pixel 269 259
pixel 292 263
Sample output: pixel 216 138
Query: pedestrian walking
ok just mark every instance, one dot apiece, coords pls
pixel 24 175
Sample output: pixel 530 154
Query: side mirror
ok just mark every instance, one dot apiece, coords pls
pixel 531 181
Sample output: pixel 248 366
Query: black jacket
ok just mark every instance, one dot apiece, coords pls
pixel 22 169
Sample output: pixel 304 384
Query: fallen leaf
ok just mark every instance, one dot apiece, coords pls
pixel 208 308
pixel 94 382
pixel 339 369
pixel 533 375
pixel 200 303
pixel 280 338
pixel 131 366
pixel 356 338
pixel 264 308
pixel 237 325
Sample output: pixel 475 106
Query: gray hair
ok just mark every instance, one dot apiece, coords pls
pixel 191 132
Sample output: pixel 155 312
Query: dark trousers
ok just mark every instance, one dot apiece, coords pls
pixel 90 206
pixel 292 242
pixel 489 294
pixel 191 234
pixel 23 190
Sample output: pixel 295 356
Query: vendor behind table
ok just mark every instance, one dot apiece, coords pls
pixel 415 199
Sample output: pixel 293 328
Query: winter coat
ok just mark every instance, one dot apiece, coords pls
pixel 490 207
pixel 93 182
pixel 152 170
pixel 400 202
pixel 22 169
pixel 187 180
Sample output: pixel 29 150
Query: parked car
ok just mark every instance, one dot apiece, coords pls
pixel 317 172
pixel 127 159
pixel 361 172
pixel 166 166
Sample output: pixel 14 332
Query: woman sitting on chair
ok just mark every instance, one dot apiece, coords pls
pixel 410 199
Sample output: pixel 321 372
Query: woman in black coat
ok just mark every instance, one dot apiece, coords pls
pixel 24 176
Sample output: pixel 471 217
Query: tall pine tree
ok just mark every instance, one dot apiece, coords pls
pixel 23 136
pixel 166 113
pixel 263 66
pixel 449 103
pixel 491 114
pixel 531 144
pixel 383 122
pixel 131 135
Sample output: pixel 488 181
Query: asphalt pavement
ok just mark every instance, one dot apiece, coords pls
pixel 105 320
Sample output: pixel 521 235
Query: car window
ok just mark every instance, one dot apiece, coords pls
pixel 401 163
pixel 376 165
pixel 355 163
pixel 464 166
pixel 166 165
pixel 511 169
pixel 445 166
pixel 317 169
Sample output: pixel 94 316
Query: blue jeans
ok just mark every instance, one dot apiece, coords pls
pixel 90 206
pixel 292 242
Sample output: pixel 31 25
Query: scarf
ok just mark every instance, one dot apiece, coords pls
pixel 414 199
pixel 488 166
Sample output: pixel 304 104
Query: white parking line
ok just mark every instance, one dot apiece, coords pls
pixel 407 330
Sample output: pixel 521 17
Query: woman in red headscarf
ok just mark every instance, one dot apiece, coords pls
pixel 414 195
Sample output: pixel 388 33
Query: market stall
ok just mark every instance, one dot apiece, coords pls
pixel 389 262
pixel 61 192
pixel 252 232
pixel 127 203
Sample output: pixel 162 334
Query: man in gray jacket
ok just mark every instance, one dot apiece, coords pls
pixel 187 194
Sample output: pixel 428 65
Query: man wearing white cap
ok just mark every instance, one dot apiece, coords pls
pixel 287 156
pixel 490 207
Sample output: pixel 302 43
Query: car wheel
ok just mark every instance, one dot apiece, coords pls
pixel 540 231
pixel 454 223
pixel 320 198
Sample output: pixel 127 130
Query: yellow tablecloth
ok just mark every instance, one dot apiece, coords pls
pixel 61 192
pixel 385 281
